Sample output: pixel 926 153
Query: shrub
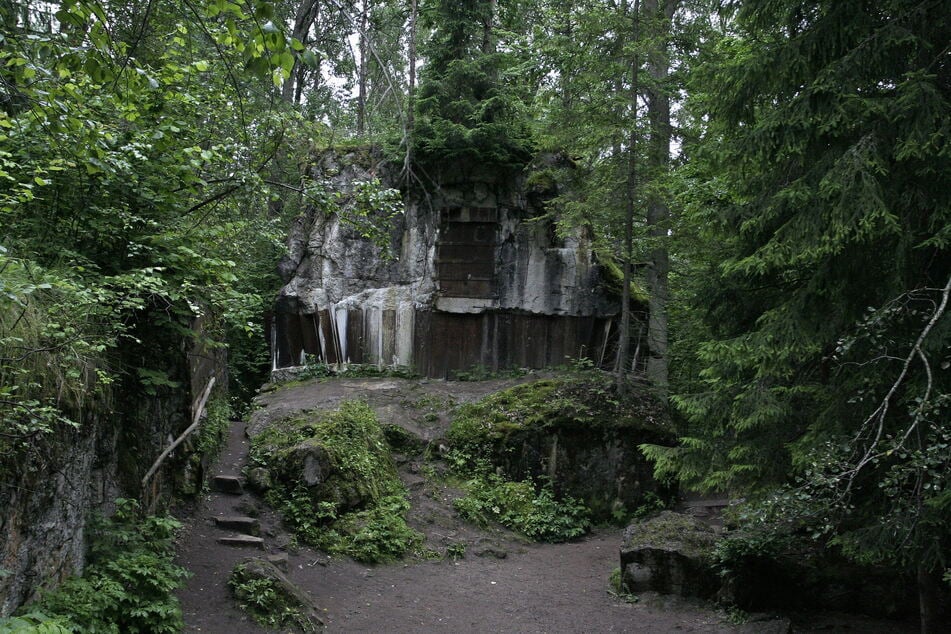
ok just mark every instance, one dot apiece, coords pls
pixel 129 583
pixel 537 514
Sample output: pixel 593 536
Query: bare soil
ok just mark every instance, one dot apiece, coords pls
pixel 500 584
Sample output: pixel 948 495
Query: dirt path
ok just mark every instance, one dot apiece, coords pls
pixel 501 584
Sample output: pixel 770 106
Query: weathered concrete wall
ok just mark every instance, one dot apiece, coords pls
pixel 47 497
pixel 476 282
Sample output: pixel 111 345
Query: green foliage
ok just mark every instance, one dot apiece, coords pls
pixel 468 108
pixel 265 601
pixel 34 623
pixel 819 275
pixel 378 534
pixel 480 372
pixel 213 431
pixel 129 583
pixel 480 435
pixel 585 399
pixel 55 334
pixel 353 370
pixel 617 588
pixel 522 506
pixel 361 467
pixel 369 210
pixel 134 191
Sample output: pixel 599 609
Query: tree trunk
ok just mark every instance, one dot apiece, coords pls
pixel 410 94
pixel 658 15
pixel 928 603
pixel 362 72
pixel 489 44
pixel 624 331
pixel 307 12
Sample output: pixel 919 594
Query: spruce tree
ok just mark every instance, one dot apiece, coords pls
pixel 466 110
pixel 819 192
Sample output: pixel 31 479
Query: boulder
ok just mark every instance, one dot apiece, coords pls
pixel 259 479
pixel 288 605
pixel 669 553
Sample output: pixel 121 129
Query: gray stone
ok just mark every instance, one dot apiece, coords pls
pixel 227 484
pixel 465 250
pixel 242 541
pixel 308 463
pixel 669 553
pixel 259 480
pixel 280 560
pixel 289 597
pixel 245 525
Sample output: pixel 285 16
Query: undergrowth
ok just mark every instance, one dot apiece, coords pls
pixel 533 511
pixel 480 372
pixel 582 399
pixel 128 585
pixel 352 370
pixel 359 506
pixel 267 604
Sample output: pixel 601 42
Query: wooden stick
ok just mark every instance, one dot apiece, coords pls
pixel 195 420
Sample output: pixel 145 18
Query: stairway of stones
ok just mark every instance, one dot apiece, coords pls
pixel 237 516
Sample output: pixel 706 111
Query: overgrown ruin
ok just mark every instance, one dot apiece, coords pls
pixel 480 278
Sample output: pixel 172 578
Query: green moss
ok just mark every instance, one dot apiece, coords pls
pixel 267 601
pixel 358 507
pixel 612 278
pixel 584 400
pixel 674 531
pixel 402 441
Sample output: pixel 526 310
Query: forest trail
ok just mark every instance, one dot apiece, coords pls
pixel 501 584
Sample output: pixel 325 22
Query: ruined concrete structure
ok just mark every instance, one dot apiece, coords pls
pixel 478 280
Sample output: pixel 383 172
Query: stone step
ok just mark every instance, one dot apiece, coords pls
pixel 227 484
pixel 245 525
pixel 242 541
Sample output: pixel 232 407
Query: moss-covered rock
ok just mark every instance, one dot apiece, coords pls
pixel 341 458
pixel 669 553
pixel 573 431
pixel 334 479
pixel 271 598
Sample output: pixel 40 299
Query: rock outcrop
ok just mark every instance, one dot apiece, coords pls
pixel 50 493
pixel 573 432
pixel 671 554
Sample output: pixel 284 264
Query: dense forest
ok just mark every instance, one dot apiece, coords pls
pixel 770 177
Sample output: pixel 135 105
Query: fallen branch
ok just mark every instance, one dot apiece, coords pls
pixel 877 417
pixel 196 418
